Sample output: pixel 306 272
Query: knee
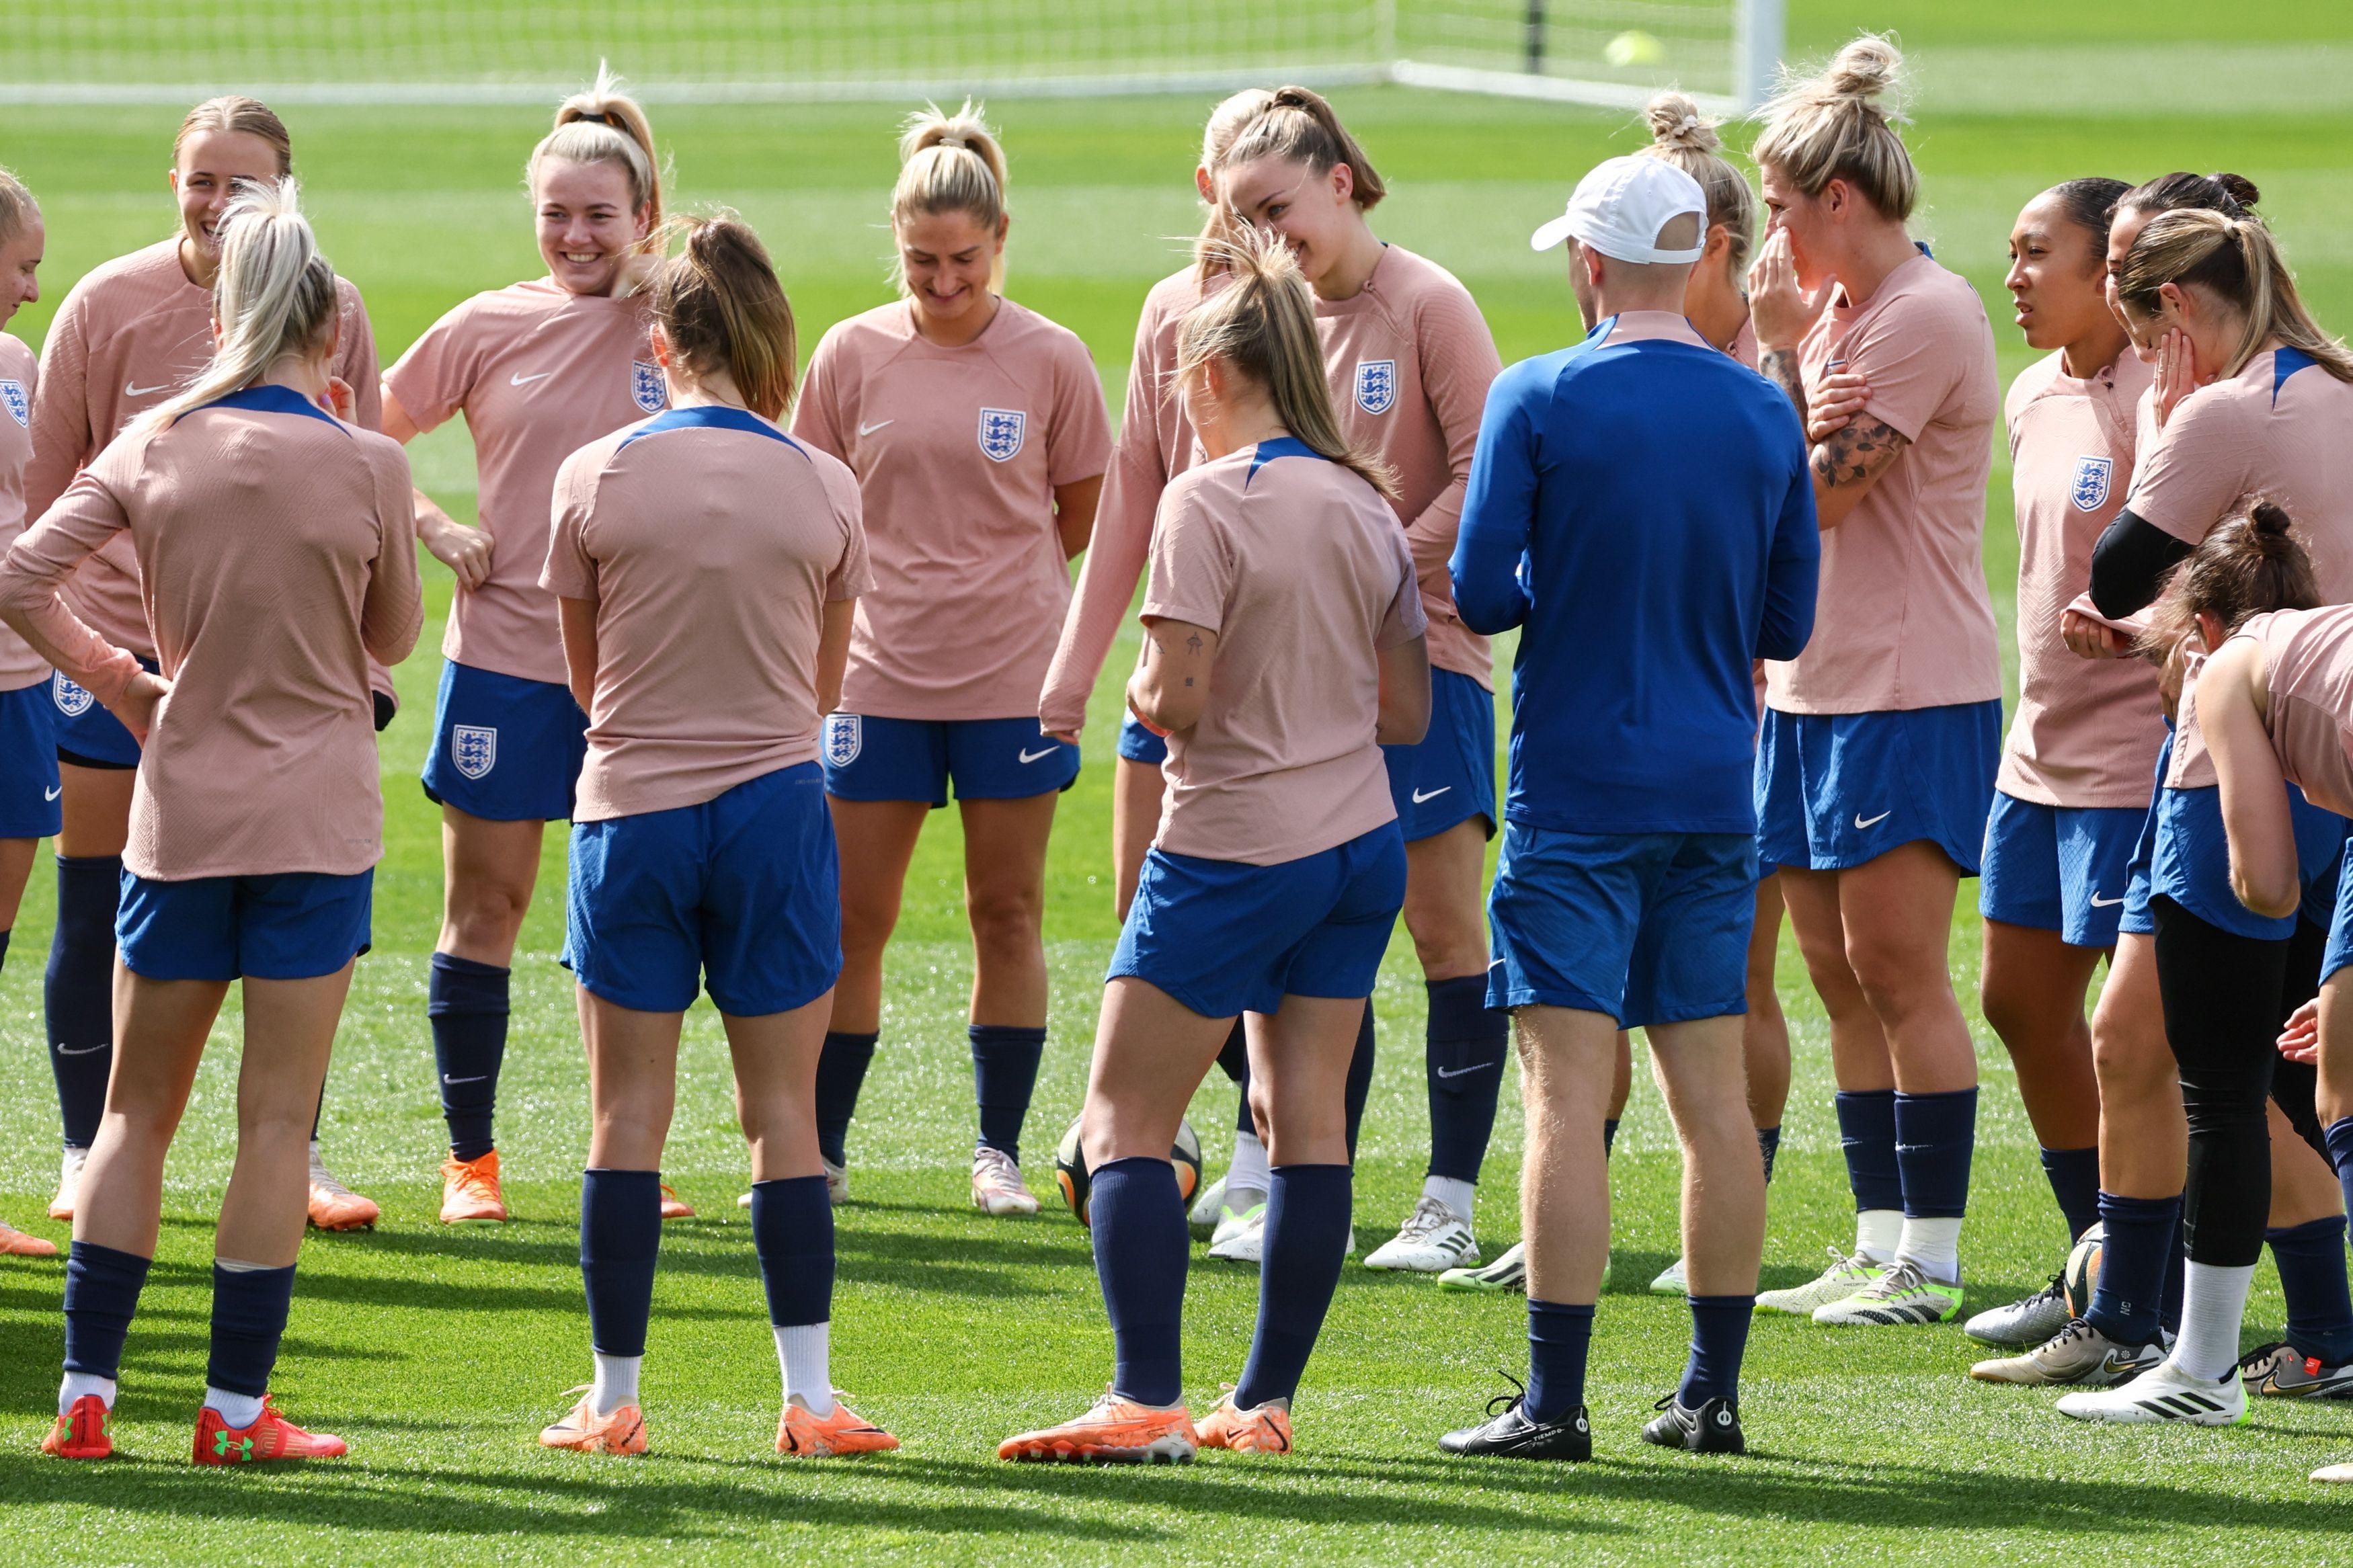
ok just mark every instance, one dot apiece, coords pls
pixel 1005 917
pixel 487 911
pixel 2006 1014
pixel 1894 981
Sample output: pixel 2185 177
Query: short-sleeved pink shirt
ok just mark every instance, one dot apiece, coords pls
pixel 539 373
pixel 958 452
pixel 2085 729
pixel 1904 620
pixel 1299 568
pixel 1409 359
pixel 710 543
pixel 19 372
pixel 2309 673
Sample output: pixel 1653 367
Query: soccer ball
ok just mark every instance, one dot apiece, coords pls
pixel 1635 49
pixel 1071 1167
pixel 2083 1275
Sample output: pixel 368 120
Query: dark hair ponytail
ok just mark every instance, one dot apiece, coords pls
pixel 721 308
pixel 2252 562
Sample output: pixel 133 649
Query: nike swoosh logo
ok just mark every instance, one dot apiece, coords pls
pixel 478 1078
pixel 80 1051
pixel 1861 822
pixel 870 429
pixel 1029 756
pixel 129 391
pixel 2100 903
pixel 1418 797
pixel 1459 1072
pixel 527 380
pixel 53 794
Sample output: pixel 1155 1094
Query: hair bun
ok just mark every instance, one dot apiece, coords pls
pixel 2238 187
pixel 1676 122
pixel 2269 521
pixel 1869 67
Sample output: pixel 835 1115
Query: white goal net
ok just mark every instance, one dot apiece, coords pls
pixel 1611 51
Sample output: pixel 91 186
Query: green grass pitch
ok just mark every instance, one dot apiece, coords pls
pixel 439 1353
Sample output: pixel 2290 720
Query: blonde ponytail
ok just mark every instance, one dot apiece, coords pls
pixel 1299 126
pixel 719 305
pixel 2236 259
pixel 950 164
pixel 274 296
pixel 1831 127
pixel 1264 327
pixel 605 125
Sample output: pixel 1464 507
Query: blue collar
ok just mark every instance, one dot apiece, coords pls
pixel 1281 446
pixel 710 416
pixel 269 398
pixel 2285 363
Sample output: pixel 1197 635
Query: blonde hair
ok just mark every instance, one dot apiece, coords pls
pixel 1682 136
pixel 949 164
pixel 17 207
pixel 244 116
pixel 2237 259
pixel 605 125
pixel 1298 125
pixel 1264 327
pixel 1831 127
pixel 274 296
pixel 720 307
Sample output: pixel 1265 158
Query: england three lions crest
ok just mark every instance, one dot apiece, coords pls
pixel 13 398
pixel 844 737
pixel 473 749
pixel 1376 385
pixel 72 699
pixel 646 385
pixel 1001 430
pixel 2090 490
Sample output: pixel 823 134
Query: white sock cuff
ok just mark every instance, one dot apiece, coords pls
pixel 77 1384
pixel 1458 1195
pixel 804 1354
pixel 1877 1232
pixel 233 1409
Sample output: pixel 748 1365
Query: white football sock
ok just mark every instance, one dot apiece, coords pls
pixel 77 1384
pixel 1935 1244
pixel 2213 1303
pixel 616 1383
pixel 1876 1232
pixel 1457 1195
pixel 803 1351
pixel 1248 1173
pixel 233 1409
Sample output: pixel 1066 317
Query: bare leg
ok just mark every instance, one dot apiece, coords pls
pixel 289 1029
pixel 1136 792
pixel 2034 991
pixel 876 840
pixel 1765 1032
pixel 160 1027
pixel 1698 1066
pixel 490 870
pixel 2144 1135
pixel 1005 899
pixel 1566 1058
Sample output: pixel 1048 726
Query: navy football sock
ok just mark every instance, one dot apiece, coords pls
pixel 1307 1212
pixel 1558 1337
pixel 1768 1144
pixel 77 991
pixel 2140 1234
pixel 103 1288
pixel 1866 1120
pixel 792 1230
pixel 1608 1136
pixel 2311 1259
pixel 2074 1176
pixel 1004 1075
pixel 1719 1339
pixel 466 1004
pixel 620 1235
pixel 1935 1136
pixel 2339 1137
pixel 1360 1079
pixel 1467 1041
pixel 250 1308
pixel 840 1073
pixel 1140 1247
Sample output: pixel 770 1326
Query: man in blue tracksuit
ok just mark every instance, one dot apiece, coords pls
pixel 1640 507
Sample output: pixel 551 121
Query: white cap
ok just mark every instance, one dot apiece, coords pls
pixel 1620 208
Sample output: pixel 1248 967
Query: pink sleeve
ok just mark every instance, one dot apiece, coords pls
pixel 1192 568
pixel 1115 555
pixel 852 577
pixel 1458 363
pixel 815 420
pixel 433 378
pixel 1912 354
pixel 71 532
pixel 355 361
pixel 61 432
pixel 394 610
pixel 2197 468
pixel 1077 441
pixel 569 572
pixel 1405 619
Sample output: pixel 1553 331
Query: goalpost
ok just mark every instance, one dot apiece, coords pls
pixel 1611 52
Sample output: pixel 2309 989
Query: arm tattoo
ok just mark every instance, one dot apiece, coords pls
pixel 1855 452
pixel 1779 366
pixel 1193 642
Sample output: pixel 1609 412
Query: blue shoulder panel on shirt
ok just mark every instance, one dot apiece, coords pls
pixel 2285 363
pixel 269 399
pixel 711 416
pixel 1281 446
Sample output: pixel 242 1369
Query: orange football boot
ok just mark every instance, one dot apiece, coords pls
pixel 271 1436
pixel 15 1243
pixel 807 1436
pixel 583 1431
pixel 1265 1430
pixel 469 1191
pixel 80 1433
pixel 1114 1431
pixel 673 1205
pixel 334 1207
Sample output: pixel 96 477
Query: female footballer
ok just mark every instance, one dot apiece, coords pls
pixel 705 539
pixel 129 334
pixel 977 432
pixel 276 545
pixel 1278 872
pixel 539 369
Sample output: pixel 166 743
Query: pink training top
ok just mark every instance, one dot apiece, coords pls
pixel 1298 566
pixel 1904 620
pixel 2086 728
pixel 2309 672
pixel 277 550
pixel 970 581
pixel 1744 343
pixel 1409 359
pixel 1156 443
pixel 710 543
pixel 539 373
pixel 130 334
pixel 19 372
